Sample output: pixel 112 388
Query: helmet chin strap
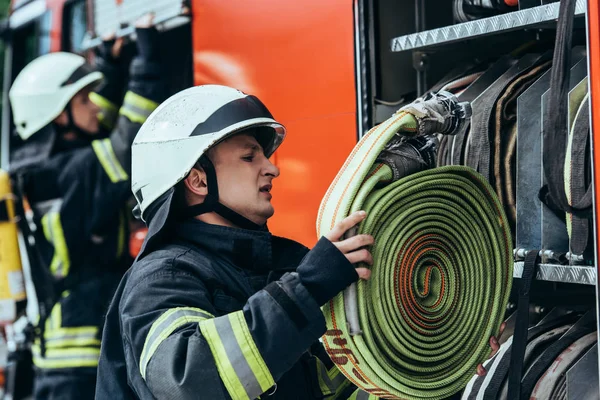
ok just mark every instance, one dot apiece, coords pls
pixel 211 202
pixel 81 134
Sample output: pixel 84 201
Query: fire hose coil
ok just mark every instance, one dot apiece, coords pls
pixel 442 269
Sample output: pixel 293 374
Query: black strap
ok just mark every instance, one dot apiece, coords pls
pixel 456 143
pixel 287 304
pixel 520 337
pixel 43 280
pixel 555 127
pixel 478 154
pixel 83 137
pixel 211 202
pixel 581 189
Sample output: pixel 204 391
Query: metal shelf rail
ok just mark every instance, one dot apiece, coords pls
pixel 585 275
pixel 528 18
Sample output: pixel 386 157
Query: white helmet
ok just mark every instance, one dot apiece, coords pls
pixel 184 127
pixel 45 86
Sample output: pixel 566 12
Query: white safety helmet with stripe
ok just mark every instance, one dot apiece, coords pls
pixel 44 88
pixel 179 132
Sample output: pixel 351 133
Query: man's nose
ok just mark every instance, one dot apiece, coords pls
pixel 271 169
pixel 94 107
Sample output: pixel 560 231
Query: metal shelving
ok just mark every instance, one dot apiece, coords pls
pixel 581 274
pixel 528 18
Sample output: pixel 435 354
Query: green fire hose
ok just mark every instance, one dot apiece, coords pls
pixel 441 276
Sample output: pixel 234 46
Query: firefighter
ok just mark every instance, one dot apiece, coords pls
pixel 215 306
pixel 75 168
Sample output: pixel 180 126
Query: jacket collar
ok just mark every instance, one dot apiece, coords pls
pixel 259 251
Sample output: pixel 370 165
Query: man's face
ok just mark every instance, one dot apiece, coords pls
pixel 245 177
pixel 85 112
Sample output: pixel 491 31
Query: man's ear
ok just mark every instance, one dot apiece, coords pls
pixel 62 119
pixel 196 182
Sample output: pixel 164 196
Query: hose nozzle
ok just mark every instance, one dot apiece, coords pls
pixel 439 112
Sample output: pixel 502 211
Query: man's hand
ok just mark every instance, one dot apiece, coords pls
pixel 113 45
pixel 353 248
pixel 481 371
pixel 145 21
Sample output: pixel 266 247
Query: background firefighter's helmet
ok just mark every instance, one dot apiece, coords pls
pixel 184 127
pixel 45 86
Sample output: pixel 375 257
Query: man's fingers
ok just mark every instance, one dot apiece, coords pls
pixel 341 227
pixel 355 242
pixel 109 36
pixel 502 328
pixel 494 345
pixel 117 47
pixel 362 255
pixel 145 21
pixel 480 370
pixel 363 273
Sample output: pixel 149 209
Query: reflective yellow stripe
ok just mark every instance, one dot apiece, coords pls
pixel 57 336
pixel 53 232
pixel 106 155
pixel 164 326
pixel 86 336
pixel 240 365
pixel 108 111
pixel 137 108
pixel 66 358
pixel 55 321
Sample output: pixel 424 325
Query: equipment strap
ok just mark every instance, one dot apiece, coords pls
pixel 577 180
pixel 477 151
pixel 555 127
pixel 517 355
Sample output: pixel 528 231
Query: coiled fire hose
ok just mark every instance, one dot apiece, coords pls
pixel 442 270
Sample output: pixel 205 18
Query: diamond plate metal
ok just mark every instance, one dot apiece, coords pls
pixel 110 14
pixel 584 275
pixel 481 27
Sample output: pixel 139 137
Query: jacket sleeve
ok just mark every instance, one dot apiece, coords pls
pixel 145 90
pixel 182 348
pixel 109 95
pixel 97 186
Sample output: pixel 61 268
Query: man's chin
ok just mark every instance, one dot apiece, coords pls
pixel 267 214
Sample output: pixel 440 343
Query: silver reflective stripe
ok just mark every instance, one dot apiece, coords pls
pixel 128 108
pixel 44 207
pixel 164 326
pixel 338 380
pixel 332 384
pixel 106 155
pixel 236 358
pixel 137 108
pixel 57 357
pixel 325 379
pixel 362 395
pixel 73 339
pixel 66 358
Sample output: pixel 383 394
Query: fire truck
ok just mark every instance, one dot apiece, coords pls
pixel 332 70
